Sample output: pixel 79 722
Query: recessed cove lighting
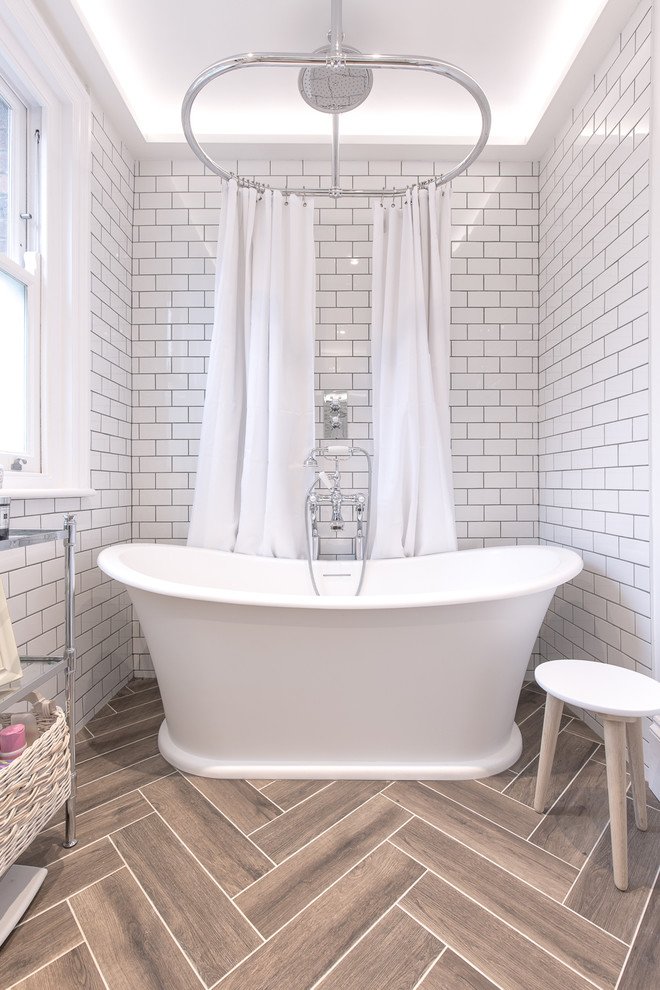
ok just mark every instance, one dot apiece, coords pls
pixel 154 48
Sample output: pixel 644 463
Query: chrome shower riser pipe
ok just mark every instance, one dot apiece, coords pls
pixel 335 189
pixel 336 34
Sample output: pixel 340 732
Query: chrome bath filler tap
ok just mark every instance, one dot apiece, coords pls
pixel 336 499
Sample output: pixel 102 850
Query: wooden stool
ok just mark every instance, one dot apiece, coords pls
pixel 621 698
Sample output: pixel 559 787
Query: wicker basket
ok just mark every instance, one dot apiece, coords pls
pixel 33 786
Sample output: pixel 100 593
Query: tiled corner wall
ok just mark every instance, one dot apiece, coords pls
pixel 593 353
pixel 154 228
pixel 494 331
pixel 34 577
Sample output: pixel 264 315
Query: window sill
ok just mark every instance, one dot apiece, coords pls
pixel 48 492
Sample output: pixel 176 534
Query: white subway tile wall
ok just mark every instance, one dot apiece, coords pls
pixel 593 360
pixel 34 577
pixel 154 230
pixel 494 333
pixel 494 372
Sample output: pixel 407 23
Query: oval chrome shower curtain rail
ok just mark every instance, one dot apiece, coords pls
pixel 344 58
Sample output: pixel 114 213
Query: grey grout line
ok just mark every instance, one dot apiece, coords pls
pixel 108 752
pixel 638 926
pixel 40 969
pixel 102 804
pixel 559 797
pixel 483 856
pixel 586 760
pixel 222 813
pixel 112 773
pixel 298 803
pixel 324 831
pixel 503 921
pixel 478 814
pixel 90 725
pixel 420 983
pixel 378 920
pixel 74 849
pixel 503 869
pixel 318 897
pixel 390 838
pixel 99 737
pixel 37 914
pixel 89 948
pixel 469 962
pixel 199 862
pixel 67 951
pixel 582 868
pixel 159 916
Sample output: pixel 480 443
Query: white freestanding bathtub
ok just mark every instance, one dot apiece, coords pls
pixel 418 677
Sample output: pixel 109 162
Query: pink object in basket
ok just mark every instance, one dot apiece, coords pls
pixel 12 741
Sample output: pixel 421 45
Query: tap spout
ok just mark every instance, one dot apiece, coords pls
pixel 336 523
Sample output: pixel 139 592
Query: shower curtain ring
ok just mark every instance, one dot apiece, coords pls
pixel 304 196
pixel 286 191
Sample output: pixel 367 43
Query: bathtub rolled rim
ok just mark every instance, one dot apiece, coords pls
pixel 112 561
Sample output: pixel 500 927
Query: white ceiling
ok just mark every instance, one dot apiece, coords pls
pixel 533 59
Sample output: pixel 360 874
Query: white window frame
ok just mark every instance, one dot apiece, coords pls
pixel 34 64
pixel 18 169
pixel 22 263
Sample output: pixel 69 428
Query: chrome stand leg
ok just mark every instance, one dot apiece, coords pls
pixel 70 654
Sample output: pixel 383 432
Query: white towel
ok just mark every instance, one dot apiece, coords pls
pixel 10 665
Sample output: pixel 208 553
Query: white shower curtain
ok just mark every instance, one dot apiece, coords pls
pixel 258 421
pixel 413 499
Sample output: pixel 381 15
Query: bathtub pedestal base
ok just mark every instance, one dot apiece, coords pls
pixel 485 766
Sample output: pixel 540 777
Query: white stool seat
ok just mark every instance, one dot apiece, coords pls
pixel 600 687
pixel 621 697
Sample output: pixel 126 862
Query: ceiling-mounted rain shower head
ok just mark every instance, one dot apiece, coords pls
pixel 335 88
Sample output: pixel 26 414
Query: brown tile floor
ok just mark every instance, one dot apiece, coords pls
pixel 182 882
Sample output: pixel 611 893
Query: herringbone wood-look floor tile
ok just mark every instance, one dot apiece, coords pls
pixel 180 882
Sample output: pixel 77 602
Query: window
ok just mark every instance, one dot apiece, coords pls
pixel 13 172
pixel 44 261
pixel 19 369
pixel 19 288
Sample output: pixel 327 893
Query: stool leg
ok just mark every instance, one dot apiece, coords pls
pixel 636 758
pixel 551 722
pixel 615 759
